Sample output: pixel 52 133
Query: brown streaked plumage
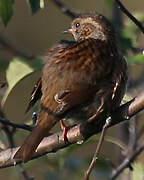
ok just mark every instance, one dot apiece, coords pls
pixel 80 79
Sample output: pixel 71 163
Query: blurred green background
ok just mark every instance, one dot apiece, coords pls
pixel 34 34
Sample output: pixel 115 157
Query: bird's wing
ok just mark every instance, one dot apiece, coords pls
pixel 70 98
pixel 35 95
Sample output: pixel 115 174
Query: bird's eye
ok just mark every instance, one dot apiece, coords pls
pixel 77 25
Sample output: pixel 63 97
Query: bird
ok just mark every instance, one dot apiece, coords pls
pixel 80 79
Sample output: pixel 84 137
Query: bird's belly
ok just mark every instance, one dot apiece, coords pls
pixel 82 112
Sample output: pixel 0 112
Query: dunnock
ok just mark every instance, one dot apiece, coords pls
pixel 80 79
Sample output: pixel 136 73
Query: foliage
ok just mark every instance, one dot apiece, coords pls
pixel 6 8
pixel 18 69
pixel 138 59
pixel 36 5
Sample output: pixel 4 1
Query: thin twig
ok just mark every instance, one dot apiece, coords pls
pixel 24 173
pixel 9 135
pixel 15 125
pixel 3 84
pixel 125 11
pixel 98 148
pixel 137 50
pixel 127 161
pixel 65 9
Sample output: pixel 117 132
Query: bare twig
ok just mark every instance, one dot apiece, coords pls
pixel 77 133
pixel 95 157
pixel 9 135
pixel 125 11
pixel 64 8
pixel 137 50
pixel 3 84
pixel 8 132
pixel 15 125
pixel 24 173
pixel 127 161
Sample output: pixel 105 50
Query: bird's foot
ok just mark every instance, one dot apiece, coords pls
pixel 65 130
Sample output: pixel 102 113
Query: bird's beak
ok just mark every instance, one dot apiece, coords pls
pixel 67 31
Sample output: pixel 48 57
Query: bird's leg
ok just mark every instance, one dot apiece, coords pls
pixel 65 129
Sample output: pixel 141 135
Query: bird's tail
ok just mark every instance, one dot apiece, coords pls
pixel 30 144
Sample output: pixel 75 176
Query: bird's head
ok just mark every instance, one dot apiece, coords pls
pixel 91 25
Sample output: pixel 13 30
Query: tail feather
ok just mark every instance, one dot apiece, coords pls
pixel 30 144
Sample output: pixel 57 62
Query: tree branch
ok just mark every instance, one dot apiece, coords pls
pixel 78 133
pixel 125 11
pixel 15 125
pixel 137 50
pixel 127 161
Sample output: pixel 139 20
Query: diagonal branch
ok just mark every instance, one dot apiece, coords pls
pixel 78 133
pixel 127 161
pixel 125 11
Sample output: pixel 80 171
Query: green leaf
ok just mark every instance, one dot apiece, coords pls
pixel 18 69
pixel 42 4
pixel 36 5
pixel 139 59
pixel 6 10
